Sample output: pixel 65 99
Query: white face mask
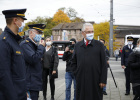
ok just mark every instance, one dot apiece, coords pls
pixel 89 36
pixel 48 43
pixel 130 42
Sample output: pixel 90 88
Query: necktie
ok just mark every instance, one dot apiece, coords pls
pixel 86 43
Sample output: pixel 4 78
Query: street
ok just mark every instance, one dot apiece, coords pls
pixel 113 92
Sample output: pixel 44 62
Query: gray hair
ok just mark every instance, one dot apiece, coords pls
pixel 138 41
pixel 30 30
pixel 86 24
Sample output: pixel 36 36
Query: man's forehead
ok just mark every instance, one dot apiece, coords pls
pixel 37 31
pixel 89 28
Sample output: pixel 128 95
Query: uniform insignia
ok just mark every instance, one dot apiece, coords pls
pixel 126 50
pixel 44 25
pixel 27 41
pixel 4 37
pixel 18 52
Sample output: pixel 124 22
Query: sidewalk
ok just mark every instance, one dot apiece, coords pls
pixel 113 92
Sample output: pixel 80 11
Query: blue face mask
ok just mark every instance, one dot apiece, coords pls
pixel 89 36
pixel 37 38
pixel 21 27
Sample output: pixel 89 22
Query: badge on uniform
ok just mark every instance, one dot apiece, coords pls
pixel 126 50
pixel 18 52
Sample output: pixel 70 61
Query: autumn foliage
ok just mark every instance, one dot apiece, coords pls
pixel 61 17
pixel 102 31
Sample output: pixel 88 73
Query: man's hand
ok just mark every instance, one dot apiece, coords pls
pixel 67 49
pixel 123 67
pixel 42 42
pixel 54 72
pixel 102 85
pixel 107 62
pixel 71 51
pixel 27 95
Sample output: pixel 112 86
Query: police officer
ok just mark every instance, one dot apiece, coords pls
pixel 124 62
pixel 33 49
pixel 12 65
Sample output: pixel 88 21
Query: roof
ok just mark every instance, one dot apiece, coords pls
pixel 68 26
pixel 0 30
pixel 126 27
pixel 123 30
pixel 123 33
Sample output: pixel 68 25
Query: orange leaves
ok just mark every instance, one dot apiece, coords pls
pixel 61 17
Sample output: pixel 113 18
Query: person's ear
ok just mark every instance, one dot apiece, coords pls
pixel 15 20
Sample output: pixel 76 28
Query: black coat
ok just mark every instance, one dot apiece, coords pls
pixel 12 67
pixel 134 64
pixel 67 56
pixel 33 58
pixel 53 60
pixel 125 54
pixel 89 67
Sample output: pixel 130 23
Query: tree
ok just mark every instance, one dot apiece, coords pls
pixel 72 14
pixel 42 20
pixel 78 19
pixel 60 17
pixel 102 30
pixel 62 8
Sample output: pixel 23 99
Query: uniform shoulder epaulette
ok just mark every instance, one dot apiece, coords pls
pixel 4 36
pixel 26 41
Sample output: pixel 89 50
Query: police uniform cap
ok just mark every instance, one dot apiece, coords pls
pixel 14 13
pixel 130 38
pixel 38 27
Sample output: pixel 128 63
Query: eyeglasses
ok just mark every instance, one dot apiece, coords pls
pixel 88 32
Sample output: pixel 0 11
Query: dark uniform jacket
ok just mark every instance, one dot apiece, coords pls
pixel 67 56
pixel 125 53
pixel 134 64
pixel 90 69
pixel 12 67
pixel 33 58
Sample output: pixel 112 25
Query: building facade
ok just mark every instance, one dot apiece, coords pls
pixel 122 30
pixel 0 30
pixel 66 31
pixel 73 30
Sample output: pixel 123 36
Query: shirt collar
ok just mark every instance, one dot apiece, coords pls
pixel 32 41
pixel 86 41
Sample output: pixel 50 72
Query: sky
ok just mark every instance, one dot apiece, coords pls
pixel 125 12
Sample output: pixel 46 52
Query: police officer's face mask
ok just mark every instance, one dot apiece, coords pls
pixel 37 37
pixel 21 27
pixel 130 42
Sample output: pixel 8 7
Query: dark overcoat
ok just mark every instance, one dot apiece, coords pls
pixel 12 67
pixel 134 65
pixel 89 67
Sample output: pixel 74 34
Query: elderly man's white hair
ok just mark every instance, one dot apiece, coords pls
pixel 30 30
pixel 86 24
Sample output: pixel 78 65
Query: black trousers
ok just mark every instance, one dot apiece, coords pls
pixel 46 73
pixel 34 95
pixel 137 90
pixel 127 77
